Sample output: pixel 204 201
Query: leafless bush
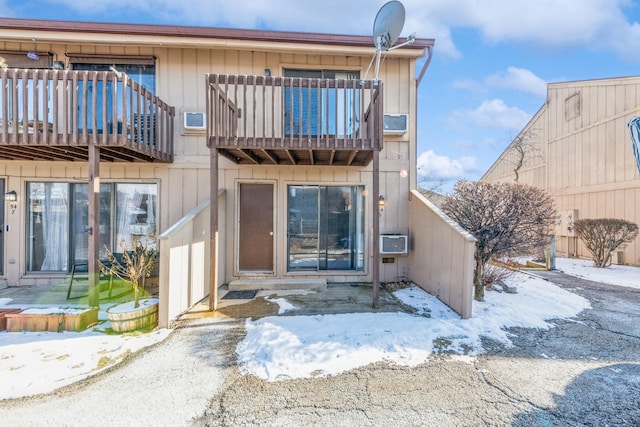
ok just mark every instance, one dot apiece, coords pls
pixel 493 275
pixel 507 219
pixel 602 236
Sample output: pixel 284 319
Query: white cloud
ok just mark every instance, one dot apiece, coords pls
pixel 520 79
pixel 565 23
pixel 329 16
pixel 433 167
pixel 493 114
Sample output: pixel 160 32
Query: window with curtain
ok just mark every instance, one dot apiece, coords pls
pixel 310 111
pixel 48 219
pixel 58 218
pixel 135 219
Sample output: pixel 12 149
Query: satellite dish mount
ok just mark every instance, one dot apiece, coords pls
pixel 386 30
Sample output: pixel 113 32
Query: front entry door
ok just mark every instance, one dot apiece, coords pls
pixel 256 228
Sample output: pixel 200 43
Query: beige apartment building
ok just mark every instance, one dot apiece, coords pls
pixel 578 148
pixel 241 155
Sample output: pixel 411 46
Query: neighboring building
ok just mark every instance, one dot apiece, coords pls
pixel 284 129
pixel 578 148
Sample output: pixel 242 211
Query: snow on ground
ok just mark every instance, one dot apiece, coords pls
pixel 307 346
pixel 621 275
pixel 39 362
pixel 277 348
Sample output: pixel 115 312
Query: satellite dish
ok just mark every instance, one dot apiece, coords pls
pixel 388 25
pixel 386 30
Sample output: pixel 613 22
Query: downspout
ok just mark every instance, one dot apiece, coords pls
pixel 424 69
pixel 413 175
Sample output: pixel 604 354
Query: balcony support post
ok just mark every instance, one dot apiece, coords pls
pixel 213 264
pixel 375 261
pixel 94 224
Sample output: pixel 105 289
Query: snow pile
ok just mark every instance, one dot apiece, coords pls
pixel 307 346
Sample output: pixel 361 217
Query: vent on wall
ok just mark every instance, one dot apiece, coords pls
pixel 395 124
pixel 572 106
pixel 194 121
pixel 393 244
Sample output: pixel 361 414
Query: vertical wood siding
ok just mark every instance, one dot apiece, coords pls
pixel 588 163
pixel 180 81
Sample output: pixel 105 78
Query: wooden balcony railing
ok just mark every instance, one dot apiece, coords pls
pixel 54 114
pixel 283 120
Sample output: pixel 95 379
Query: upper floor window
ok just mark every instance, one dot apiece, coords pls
pixel 141 69
pixel 31 59
pixel 12 95
pixel 316 111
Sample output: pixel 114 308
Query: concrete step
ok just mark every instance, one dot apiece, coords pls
pixel 277 284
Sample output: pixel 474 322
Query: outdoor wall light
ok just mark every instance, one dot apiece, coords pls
pixel 267 72
pixel 32 55
pixel 381 202
pixel 11 196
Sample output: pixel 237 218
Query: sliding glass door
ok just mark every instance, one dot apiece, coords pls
pixel 48 226
pixel 314 111
pixel 144 74
pixel 58 220
pixel 325 228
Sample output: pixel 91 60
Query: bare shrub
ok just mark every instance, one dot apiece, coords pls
pixel 602 236
pixel 507 219
pixel 494 275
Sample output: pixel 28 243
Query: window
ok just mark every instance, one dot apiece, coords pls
pixel 12 59
pixel 143 72
pixel 48 226
pixel 325 228
pixel 312 111
pixel 58 217
pixel 27 97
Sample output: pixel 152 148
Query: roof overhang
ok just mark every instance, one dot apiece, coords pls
pixel 69 32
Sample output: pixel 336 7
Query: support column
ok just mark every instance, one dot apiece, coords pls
pixel 375 261
pixel 213 262
pixel 93 229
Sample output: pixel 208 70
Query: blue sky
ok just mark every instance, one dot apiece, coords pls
pixel 491 61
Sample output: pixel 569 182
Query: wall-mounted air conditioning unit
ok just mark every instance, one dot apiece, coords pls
pixel 195 121
pixel 394 244
pixel 395 124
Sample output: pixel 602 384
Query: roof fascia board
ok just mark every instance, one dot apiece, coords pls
pixel 176 36
pixel 169 42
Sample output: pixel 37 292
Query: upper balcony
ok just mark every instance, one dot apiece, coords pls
pixel 55 115
pixel 294 121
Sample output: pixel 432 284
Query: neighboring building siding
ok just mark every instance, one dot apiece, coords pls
pixel 585 160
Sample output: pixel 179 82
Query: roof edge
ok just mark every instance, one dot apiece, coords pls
pixel 199 32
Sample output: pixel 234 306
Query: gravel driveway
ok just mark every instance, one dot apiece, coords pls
pixel 582 372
